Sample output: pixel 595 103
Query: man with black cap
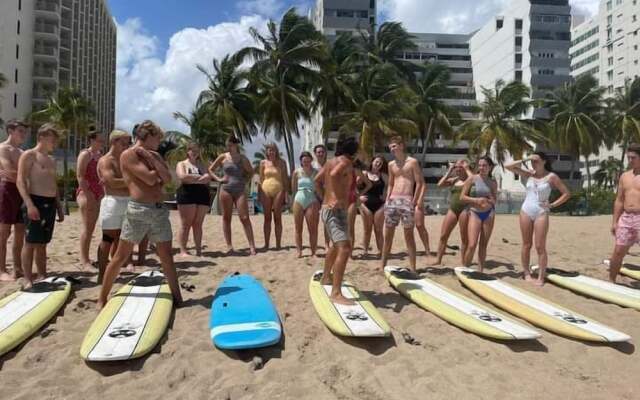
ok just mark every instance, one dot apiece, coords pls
pixel 10 200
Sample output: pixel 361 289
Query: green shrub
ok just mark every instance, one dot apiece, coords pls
pixel 72 184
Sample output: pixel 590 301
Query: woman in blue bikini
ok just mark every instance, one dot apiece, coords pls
pixel 305 203
pixel 480 192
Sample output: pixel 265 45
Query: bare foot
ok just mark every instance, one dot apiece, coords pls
pixel 129 269
pixel 184 254
pixel 252 251
pixel 328 281
pixel 528 278
pixel 27 285
pixel 340 299
pixel 100 305
pixel 230 250
pixel 299 254
pixel 5 277
pixel 436 263
pixel 539 283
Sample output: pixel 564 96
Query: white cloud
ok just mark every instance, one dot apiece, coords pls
pixel 459 16
pixel 269 8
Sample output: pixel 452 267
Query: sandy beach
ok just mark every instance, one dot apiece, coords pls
pixel 443 362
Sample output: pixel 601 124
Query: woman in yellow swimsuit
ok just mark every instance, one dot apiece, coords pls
pixel 272 191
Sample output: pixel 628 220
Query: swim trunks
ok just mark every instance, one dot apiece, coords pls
pixel 628 229
pixel 112 211
pixel 142 219
pixel 398 209
pixel 335 224
pixel 41 231
pixel 10 204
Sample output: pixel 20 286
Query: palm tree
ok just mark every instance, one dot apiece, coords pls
pixel 382 106
pixel 624 109
pixel 286 68
pixel 390 40
pixel 608 173
pixel 226 101
pixel 73 114
pixel 576 111
pixel 260 156
pixel 500 129
pixel 430 112
pixel 203 130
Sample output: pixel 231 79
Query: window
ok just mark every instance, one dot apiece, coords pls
pixel 518 24
pixel 518 76
pixel 17 51
pixel 518 41
pixel 518 58
pixel 19 5
pixel 499 24
pixel 372 4
pixel 15 100
pixel 610 75
pixel 609 19
pixel 610 61
pixel 16 76
pixel 18 29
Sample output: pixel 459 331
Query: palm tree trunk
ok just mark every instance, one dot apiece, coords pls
pixel 427 140
pixel 586 158
pixel 624 146
pixel 366 140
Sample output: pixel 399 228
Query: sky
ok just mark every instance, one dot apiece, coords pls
pixel 161 42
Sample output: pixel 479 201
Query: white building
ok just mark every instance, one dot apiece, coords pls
pixel 49 44
pixel 528 42
pixel 607 47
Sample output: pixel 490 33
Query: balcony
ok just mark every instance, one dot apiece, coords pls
pixel 45 75
pixel 48 53
pixel 46 31
pixel 47 10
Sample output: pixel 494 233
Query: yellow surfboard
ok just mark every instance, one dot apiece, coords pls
pixel 24 312
pixel 133 321
pixel 537 310
pixel 359 320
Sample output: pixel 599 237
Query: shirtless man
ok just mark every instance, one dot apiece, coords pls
pixel 145 174
pixel 10 200
pixel 626 212
pixel 334 181
pixel 402 199
pixel 320 152
pixel 114 203
pixel 39 190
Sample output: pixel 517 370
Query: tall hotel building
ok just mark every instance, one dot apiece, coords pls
pixel 46 45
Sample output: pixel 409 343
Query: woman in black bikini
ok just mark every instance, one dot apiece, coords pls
pixel 193 198
pixel 372 203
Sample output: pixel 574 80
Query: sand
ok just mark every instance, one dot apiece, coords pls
pixel 444 362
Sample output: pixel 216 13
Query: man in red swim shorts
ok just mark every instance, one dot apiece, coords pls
pixel 10 200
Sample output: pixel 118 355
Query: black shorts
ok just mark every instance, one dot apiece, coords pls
pixel 40 232
pixel 193 194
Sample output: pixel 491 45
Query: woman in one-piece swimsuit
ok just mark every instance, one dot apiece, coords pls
pixel 273 190
pixel 305 202
pixel 372 204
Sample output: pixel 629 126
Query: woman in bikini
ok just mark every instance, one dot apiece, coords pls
pixel 458 213
pixel 372 204
pixel 534 214
pixel 305 202
pixel 272 192
pixel 237 170
pixel 480 192
pixel 89 193
pixel 193 198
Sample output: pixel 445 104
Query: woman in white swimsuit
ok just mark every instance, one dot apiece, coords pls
pixel 534 214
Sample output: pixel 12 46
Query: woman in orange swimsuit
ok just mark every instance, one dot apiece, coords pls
pixel 273 190
pixel 89 193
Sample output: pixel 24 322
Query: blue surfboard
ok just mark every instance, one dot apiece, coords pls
pixel 243 315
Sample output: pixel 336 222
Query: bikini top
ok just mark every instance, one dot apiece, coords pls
pixel 538 189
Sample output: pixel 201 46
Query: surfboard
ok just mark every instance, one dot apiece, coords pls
pixel 456 309
pixel 632 272
pixel 132 322
pixel 24 312
pixel 596 288
pixel 537 310
pixel 243 315
pixel 359 320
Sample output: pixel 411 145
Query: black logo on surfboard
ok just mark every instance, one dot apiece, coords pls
pixel 570 318
pixel 485 316
pixel 122 333
pixel 356 316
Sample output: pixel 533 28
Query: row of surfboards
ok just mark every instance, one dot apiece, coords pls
pixel 243 315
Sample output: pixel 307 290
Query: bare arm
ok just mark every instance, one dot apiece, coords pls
pixel 618 205
pixel 7 170
pixel 447 180
pixel 418 194
pixel 367 183
pixel 248 169
pixel 516 167
pixel 24 167
pixel 565 194
pixel 108 175
pixel 392 181
pixel 294 182
pixel 284 174
pixel 319 182
pixel 214 167
pixel 466 188
pixel 183 176
pixel 81 169
pixel 137 167
pixel 161 167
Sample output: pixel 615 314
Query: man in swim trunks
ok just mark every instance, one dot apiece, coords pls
pixel 626 212
pixel 145 173
pixel 334 181
pixel 320 152
pixel 114 203
pixel 405 188
pixel 39 190
pixel 10 200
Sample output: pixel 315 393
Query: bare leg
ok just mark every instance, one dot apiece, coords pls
pixel 474 228
pixel 226 202
pixel 89 211
pixel 311 216
pixel 411 247
pixel 352 212
pixel 367 223
pixel 27 263
pixel 201 214
pixel 389 232
pixel 422 230
pixel 267 207
pixel 485 235
pixel 40 254
pixel 104 250
pixel 5 232
pixel 166 260
pixel 526 229
pixel 298 219
pixel 243 211
pixel 326 239
pixel 378 230
pixel 541 227
pixel 615 262
pixel 123 252
pixel 339 266
pixel 448 223
pixel 329 261
pixel 142 251
pixel 187 217
pixel 463 227
pixel 278 203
